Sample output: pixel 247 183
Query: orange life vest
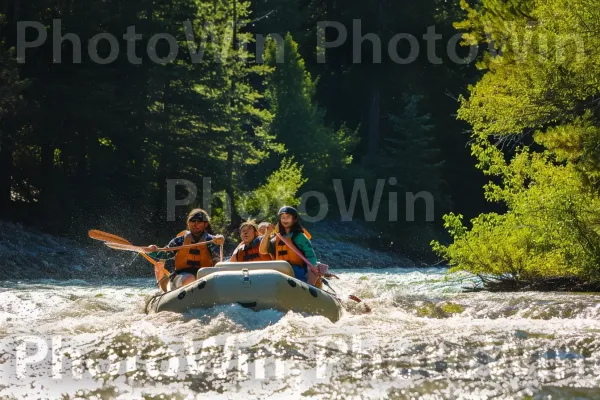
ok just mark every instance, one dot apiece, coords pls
pixel 197 257
pixel 250 253
pixel 283 252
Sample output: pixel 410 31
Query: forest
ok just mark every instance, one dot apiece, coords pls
pixel 487 106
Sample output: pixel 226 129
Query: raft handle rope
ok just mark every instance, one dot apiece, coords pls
pixel 154 297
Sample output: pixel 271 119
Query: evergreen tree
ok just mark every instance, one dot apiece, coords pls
pixel 298 121
pixel 11 106
pixel 410 153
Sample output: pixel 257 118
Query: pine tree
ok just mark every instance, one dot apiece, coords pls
pixel 410 153
pixel 11 106
pixel 298 121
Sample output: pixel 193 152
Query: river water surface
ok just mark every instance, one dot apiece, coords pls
pixel 424 339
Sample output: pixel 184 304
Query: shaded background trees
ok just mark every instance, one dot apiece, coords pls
pixel 84 144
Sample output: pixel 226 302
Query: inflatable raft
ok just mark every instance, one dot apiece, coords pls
pixel 256 285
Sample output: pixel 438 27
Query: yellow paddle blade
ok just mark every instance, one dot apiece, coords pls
pixel 107 237
pixel 125 247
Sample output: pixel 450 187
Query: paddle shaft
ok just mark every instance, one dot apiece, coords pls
pixel 139 249
pixel 298 252
pixel 109 237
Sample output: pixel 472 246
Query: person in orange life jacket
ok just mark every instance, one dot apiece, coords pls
pixel 189 261
pixel 247 250
pixel 289 227
pixel 262 228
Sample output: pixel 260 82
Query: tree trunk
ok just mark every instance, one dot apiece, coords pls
pixel 82 160
pixel 375 111
pixel 235 218
pixel 46 171
pixel 163 168
pixel 374 123
pixel 6 168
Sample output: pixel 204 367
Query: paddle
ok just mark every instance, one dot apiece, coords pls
pixel 314 269
pixel 109 237
pixel 298 252
pixel 159 267
pixel 140 249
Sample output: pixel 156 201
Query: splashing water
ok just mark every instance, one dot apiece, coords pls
pixel 424 339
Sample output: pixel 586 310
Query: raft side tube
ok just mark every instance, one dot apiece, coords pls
pixel 258 289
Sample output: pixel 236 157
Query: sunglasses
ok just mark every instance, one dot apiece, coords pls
pixel 196 220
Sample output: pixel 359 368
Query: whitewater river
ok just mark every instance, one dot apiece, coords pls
pixel 424 339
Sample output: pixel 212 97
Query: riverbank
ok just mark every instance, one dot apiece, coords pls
pixel 27 253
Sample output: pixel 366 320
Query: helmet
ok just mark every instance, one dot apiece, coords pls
pixel 288 210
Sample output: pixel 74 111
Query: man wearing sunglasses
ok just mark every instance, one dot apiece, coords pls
pixel 189 261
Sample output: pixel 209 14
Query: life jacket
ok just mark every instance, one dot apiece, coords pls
pixel 283 252
pixel 315 273
pixel 197 257
pixel 251 252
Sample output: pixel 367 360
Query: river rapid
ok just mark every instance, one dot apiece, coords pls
pixel 424 339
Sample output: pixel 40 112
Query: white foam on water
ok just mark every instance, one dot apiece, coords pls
pixel 424 338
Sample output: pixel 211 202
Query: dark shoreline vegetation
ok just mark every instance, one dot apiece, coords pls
pixel 84 145
pixel 556 284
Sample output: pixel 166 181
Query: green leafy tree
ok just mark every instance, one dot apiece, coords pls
pixel 545 83
pixel 281 188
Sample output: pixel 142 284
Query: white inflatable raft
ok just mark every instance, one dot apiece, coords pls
pixel 256 285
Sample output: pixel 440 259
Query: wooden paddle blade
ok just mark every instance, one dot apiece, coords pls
pixel 125 247
pixel 114 239
pixel 356 299
pixel 162 276
pixel 107 237
pixel 150 259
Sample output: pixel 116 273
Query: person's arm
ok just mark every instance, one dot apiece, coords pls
pixel 214 247
pixel 266 246
pixel 166 255
pixel 233 257
pixel 305 246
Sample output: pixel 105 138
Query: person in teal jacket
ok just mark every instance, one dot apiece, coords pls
pixel 289 227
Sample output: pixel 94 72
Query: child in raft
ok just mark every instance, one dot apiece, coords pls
pixel 248 249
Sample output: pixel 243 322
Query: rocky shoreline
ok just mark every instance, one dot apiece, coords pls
pixel 348 245
pixel 27 253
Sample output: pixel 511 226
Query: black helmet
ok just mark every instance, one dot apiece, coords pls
pixel 288 210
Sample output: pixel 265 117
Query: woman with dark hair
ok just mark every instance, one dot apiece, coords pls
pixel 189 261
pixel 289 227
